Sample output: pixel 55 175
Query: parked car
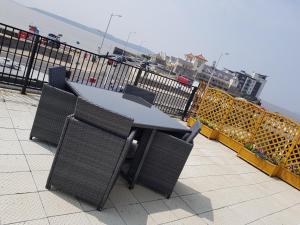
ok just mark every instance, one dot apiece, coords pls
pixel 8 63
pixel 54 40
pixel 145 64
pixel 115 59
pixel 184 80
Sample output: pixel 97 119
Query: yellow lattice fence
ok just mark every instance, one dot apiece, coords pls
pixel 275 135
pixel 242 120
pixel 195 105
pixel 292 162
pixel 214 106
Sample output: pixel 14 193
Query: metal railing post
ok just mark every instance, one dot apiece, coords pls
pixel 30 64
pixel 138 76
pixel 189 102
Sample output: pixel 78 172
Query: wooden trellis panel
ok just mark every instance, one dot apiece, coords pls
pixel 275 135
pixel 242 120
pixel 293 159
pixel 214 106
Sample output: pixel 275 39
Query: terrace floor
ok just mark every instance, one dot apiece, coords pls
pixel 215 187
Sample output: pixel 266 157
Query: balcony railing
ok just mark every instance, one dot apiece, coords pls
pixel 26 57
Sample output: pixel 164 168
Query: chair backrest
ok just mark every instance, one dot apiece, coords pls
pixel 137 99
pixel 145 94
pixel 189 137
pixel 57 77
pixel 102 118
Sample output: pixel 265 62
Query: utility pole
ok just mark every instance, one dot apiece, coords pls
pixel 111 16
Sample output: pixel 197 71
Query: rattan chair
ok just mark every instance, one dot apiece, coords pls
pixel 163 164
pixel 57 77
pixel 164 161
pixel 54 106
pixel 144 94
pixel 91 150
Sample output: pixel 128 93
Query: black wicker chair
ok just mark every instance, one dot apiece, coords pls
pixel 165 160
pixel 54 106
pixel 163 164
pixel 57 77
pixel 144 94
pixel 91 150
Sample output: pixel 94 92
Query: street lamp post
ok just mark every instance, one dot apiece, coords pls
pixel 214 69
pixel 129 34
pixel 111 16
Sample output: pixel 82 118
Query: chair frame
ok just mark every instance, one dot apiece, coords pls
pixel 81 125
pixel 53 108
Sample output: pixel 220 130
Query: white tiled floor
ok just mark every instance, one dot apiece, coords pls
pixel 215 187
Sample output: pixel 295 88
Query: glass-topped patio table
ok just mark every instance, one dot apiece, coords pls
pixel 147 118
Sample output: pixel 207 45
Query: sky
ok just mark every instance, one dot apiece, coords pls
pixel 261 36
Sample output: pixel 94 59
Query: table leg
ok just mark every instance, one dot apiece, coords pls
pixel 142 151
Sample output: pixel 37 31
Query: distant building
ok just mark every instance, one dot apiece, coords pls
pixel 245 83
pixel 238 84
pixel 220 79
pixel 198 61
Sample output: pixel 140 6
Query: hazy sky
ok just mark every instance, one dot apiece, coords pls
pixel 260 35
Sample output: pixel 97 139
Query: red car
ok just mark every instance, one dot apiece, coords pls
pixel 184 80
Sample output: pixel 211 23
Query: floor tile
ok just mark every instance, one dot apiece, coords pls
pixel 21 120
pixel 70 219
pixel 135 214
pixel 22 207
pixel 105 217
pixel 57 203
pixel 13 163
pixel 16 106
pixel 288 198
pixel 178 207
pixel 16 183
pixel 10 147
pixel 40 179
pixel 144 194
pixel 120 194
pixel 159 211
pixel 199 203
pixel 222 216
pixel 88 207
pixel 23 134
pixel 185 187
pixel 8 134
pixel 256 209
pixel 39 162
pixel 6 122
pixel 33 222
pixel 36 147
pixel 193 220
pixel 288 216
pixel 3 112
pixel 176 222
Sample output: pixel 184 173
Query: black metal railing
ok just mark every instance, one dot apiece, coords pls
pixel 26 57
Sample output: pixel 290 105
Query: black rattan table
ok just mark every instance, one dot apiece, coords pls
pixel 148 119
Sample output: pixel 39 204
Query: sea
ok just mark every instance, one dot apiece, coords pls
pixel 20 16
